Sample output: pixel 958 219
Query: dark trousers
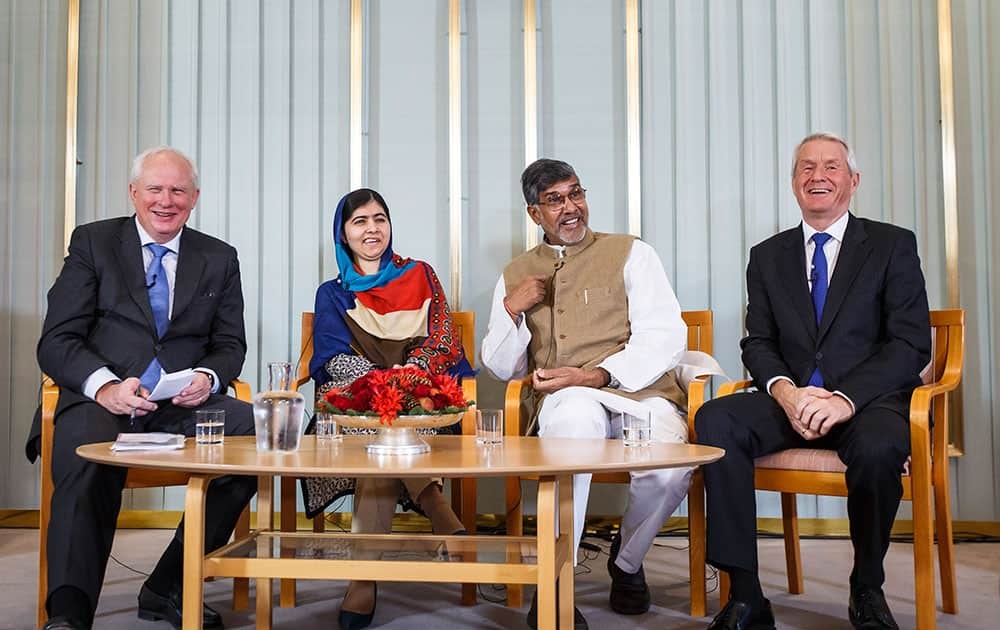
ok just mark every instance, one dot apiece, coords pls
pixel 87 497
pixel 874 445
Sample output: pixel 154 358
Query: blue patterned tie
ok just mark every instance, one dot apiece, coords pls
pixel 820 283
pixel 159 301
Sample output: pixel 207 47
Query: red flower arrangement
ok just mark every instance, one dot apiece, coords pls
pixel 408 391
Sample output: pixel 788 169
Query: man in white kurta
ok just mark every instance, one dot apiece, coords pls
pixel 594 320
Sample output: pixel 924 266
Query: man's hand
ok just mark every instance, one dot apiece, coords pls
pixel 813 411
pixel 196 393
pixel 820 414
pixel 526 294
pixel 121 397
pixel 554 379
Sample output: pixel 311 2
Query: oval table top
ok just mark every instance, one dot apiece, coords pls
pixel 450 456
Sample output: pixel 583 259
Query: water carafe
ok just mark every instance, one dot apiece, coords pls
pixel 278 412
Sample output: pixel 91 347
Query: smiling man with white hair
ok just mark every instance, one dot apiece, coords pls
pixel 838 331
pixel 137 296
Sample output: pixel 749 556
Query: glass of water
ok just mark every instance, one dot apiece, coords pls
pixel 326 427
pixel 209 426
pixel 489 426
pixel 637 429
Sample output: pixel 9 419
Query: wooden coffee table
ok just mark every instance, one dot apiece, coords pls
pixel 268 553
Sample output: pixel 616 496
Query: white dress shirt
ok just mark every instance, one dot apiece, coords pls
pixel 658 337
pixel 104 375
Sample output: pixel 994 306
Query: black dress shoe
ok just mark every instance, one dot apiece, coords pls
pixel 579 621
pixel 868 610
pixel 350 620
pixel 739 615
pixel 629 591
pixel 154 607
pixel 63 623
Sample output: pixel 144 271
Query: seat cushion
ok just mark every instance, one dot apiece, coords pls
pixel 811 459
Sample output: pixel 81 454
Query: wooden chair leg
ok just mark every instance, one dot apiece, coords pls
pixel 946 546
pixel 923 547
pixel 793 555
pixel 241 586
pixel 465 489
pixel 723 589
pixel 319 523
pixel 696 543
pixel 515 527
pixel 286 597
pixel 41 616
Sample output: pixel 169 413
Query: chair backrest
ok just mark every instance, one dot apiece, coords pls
pixel 699 325
pixel 465 328
pixel 947 337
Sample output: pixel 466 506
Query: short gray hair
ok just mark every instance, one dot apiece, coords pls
pixel 140 160
pixel 852 162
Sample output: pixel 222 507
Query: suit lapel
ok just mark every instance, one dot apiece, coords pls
pixel 853 253
pixel 793 278
pixel 133 269
pixel 190 267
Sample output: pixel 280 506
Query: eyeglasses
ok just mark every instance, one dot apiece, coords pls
pixel 557 201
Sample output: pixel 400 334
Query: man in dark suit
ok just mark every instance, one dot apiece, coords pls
pixel 137 297
pixel 837 333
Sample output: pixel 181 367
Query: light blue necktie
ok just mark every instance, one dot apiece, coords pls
pixel 159 301
pixel 820 283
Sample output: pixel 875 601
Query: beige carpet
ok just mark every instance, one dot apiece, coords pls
pixel 429 606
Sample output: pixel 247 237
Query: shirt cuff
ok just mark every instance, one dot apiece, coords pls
pixel 98 379
pixel 850 402
pixel 212 375
pixel 774 380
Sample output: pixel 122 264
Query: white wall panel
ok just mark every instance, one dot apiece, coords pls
pixel 408 125
pixel 32 137
pixel 977 112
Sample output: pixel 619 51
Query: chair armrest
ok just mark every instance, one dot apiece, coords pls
pixel 512 405
pixel 299 382
pixel 242 390
pixel 734 386
pixel 696 398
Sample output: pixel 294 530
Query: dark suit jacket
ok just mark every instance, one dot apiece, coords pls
pixel 874 337
pixel 99 313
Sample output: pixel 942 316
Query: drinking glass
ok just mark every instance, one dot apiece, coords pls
pixel 489 426
pixel 209 426
pixel 326 427
pixel 637 429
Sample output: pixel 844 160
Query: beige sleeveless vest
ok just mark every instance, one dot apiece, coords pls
pixel 584 317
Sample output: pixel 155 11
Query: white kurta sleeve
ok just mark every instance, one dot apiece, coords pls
pixel 505 347
pixel 659 335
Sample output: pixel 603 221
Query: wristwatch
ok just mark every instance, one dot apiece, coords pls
pixel 613 382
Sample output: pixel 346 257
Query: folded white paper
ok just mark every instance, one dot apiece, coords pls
pixel 171 384
pixel 148 442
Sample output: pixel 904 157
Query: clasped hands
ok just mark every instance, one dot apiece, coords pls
pixel 122 397
pixel 812 411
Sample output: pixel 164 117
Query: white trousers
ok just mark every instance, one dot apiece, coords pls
pixel 580 412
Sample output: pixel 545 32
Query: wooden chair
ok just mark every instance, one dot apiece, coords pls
pixel 814 471
pixel 699 325
pixel 463 492
pixel 137 478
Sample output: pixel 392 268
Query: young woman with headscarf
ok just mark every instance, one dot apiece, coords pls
pixel 381 311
